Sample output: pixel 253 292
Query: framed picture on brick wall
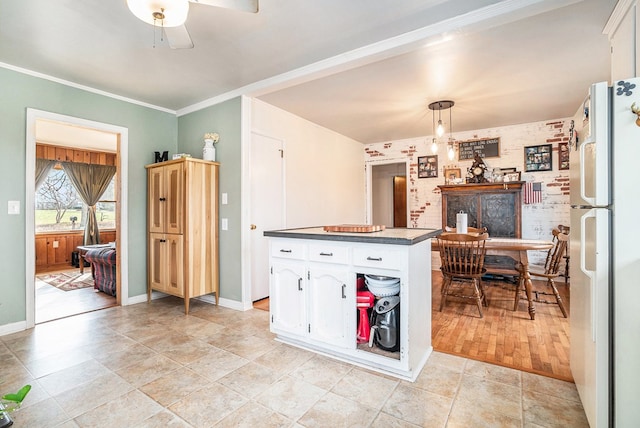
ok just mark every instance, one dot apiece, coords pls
pixel 537 158
pixel 452 175
pixel 563 155
pixel 427 166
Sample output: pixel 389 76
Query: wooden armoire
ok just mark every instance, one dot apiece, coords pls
pixel 182 226
pixel 496 206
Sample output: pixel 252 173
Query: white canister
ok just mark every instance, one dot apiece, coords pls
pixel 461 222
pixel 209 150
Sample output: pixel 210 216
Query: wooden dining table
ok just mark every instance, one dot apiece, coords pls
pixel 516 248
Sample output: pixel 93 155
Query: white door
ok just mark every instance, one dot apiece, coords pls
pixel 332 306
pixel 589 161
pixel 590 343
pixel 267 206
pixel 288 304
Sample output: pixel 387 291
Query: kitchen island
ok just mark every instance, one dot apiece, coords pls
pixel 313 288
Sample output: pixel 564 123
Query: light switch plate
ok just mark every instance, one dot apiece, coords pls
pixel 13 207
pixel 225 224
pixel 224 199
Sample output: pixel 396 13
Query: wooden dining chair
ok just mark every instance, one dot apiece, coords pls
pixel 551 271
pixel 462 261
pixel 450 229
pixel 566 257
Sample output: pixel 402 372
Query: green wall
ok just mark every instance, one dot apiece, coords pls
pixel 225 119
pixel 149 130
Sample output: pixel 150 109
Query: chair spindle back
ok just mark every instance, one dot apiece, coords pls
pixel 462 254
pixel 555 254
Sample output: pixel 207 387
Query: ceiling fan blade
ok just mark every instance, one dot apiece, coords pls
pixel 178 37
pixel 243 5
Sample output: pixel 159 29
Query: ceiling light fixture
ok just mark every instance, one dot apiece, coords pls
pixel 434 142
pixel 171 13
pixel 439 130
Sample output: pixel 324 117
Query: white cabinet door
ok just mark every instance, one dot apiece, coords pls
pixel 332 307
pixel 287 301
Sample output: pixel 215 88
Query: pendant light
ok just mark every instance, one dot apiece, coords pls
pixel 434 142
pixel 450 152
pixel 439 130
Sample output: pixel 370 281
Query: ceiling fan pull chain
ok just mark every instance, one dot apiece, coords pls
pixel 154 32
pixel 160 16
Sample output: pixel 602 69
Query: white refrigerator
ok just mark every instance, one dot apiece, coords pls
pixel 605 254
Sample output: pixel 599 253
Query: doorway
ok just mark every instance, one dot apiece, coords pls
pixel 388 194
pixel 267 205
pixel 120 139
pixel 399 201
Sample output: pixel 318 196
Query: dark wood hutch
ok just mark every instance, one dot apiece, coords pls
pixel 496 206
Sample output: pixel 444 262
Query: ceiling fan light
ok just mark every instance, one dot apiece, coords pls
pixel 175 11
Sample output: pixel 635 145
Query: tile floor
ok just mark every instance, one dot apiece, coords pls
pixel 149 365
pixel 52 303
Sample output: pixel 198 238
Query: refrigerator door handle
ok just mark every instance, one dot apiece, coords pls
pixel 583 194
pixel 583 267
pixel 598 275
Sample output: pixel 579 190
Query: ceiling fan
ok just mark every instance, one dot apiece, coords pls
pixel 172 14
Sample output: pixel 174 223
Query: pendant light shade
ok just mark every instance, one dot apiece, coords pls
pixel 167 13
pixel 439 130
pixel 434 146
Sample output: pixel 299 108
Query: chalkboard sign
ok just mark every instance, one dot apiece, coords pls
pixel 487 148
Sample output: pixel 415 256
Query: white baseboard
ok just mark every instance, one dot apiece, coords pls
pixel 13 328
pixel 141 298
pixel 207 298
pixel 226 303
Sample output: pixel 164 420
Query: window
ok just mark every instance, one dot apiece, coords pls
pixel 60 209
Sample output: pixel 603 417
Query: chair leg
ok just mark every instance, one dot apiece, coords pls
pixel 483 295
pixel 516 299
pixel 552 284
pixel 446 282
pixel 478 296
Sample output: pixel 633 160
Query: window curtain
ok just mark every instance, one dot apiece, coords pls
pixel 43 166
pixel 90 182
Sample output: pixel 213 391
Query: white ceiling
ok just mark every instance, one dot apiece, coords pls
pixel 64 134
pixel 364 68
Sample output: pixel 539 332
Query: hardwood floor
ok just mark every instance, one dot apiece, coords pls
pixel 504 337
pixel 262 304
pixel 52 304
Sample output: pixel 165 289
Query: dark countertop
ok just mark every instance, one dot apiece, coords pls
pixel 394 236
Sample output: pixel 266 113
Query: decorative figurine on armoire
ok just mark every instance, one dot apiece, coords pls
pixel 477 170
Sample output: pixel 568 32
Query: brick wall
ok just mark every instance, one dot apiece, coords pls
pixel 424 196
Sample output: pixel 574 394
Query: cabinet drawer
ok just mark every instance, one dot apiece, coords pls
pixel 329 253
pixel 381 258
pixel 288 250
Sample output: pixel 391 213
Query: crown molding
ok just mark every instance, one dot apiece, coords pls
pixel 83 87
pixel 618 14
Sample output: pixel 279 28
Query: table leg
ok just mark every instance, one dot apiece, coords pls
pixel 81 257
pixel 524 261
